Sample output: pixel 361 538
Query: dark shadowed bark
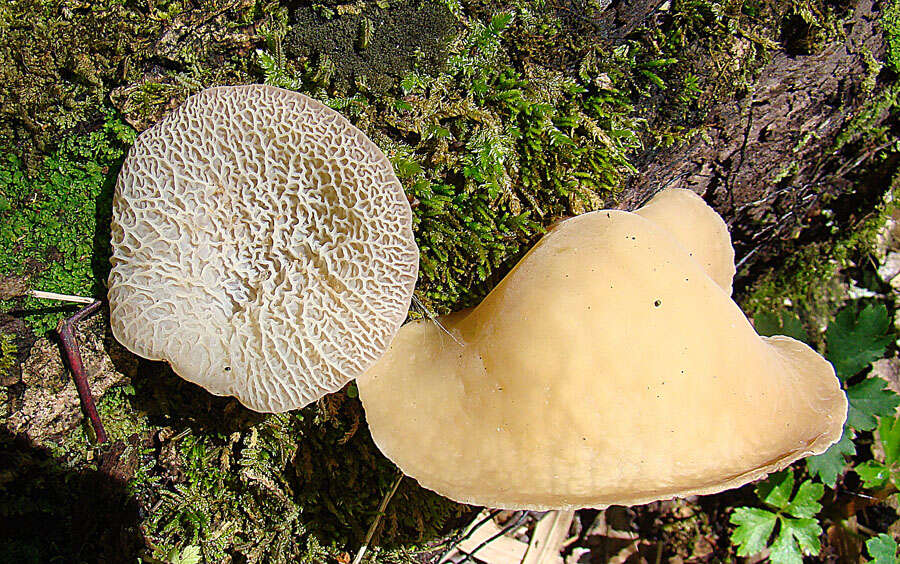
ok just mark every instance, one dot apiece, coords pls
pixel 767 160
pixel 621 17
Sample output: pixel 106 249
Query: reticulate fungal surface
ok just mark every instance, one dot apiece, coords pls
pixel 262 245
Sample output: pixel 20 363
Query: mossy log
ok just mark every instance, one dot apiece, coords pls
pixel 798 142
pixel 785 121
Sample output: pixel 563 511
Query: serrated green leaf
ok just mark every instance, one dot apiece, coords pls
pixel 831 463
pixel 889 435
pixel 882 549
pixel 785 549
pixel 854 341
pixel 873 474
pixel 868 399
pixel 805 531
pixel 796 535
pixel 775 490
pixel 754 527
pixel 806 502
pixel 769 323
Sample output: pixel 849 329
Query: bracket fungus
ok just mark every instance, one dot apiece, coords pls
pixel 610 366
pixel 262 245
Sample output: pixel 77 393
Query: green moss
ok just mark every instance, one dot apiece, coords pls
pixel 289 487
pixel 809 281
pixel 8 352
pixel 890 20
pixel 54 222
pixel 491 155
pixel 867 125
pixel 371 43
pixel 806 282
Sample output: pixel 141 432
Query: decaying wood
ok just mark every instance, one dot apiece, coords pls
pixel 548 537
pixel 764 161
pixel 495 545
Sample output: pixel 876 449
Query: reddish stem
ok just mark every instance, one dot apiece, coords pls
pixel 66 331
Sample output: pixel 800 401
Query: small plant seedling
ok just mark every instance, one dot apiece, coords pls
pixel 882 549
pixel 791 519
pixel 877 474
pixel 854 340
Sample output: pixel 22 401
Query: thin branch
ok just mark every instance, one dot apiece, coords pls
pixel 60 297
pixel 66 332
pixel 377 520
pixel 510 527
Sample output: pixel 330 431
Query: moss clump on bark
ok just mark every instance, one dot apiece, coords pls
pixel 55 60
pixel 891 21
pixel 368 45
pixel 60 62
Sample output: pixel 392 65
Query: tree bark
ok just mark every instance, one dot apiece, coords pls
pixel 621 17
pixel 767 160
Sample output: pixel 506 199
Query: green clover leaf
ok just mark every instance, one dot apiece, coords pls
pixel 797 530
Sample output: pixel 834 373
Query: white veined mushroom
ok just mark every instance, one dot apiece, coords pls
pixel 261 245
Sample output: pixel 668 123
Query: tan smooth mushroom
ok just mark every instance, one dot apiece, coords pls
pixel 698 228
pixel 609 367
pixel 261 245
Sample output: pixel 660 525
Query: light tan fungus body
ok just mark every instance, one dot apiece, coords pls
pixel 607 368
pixel 698 228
